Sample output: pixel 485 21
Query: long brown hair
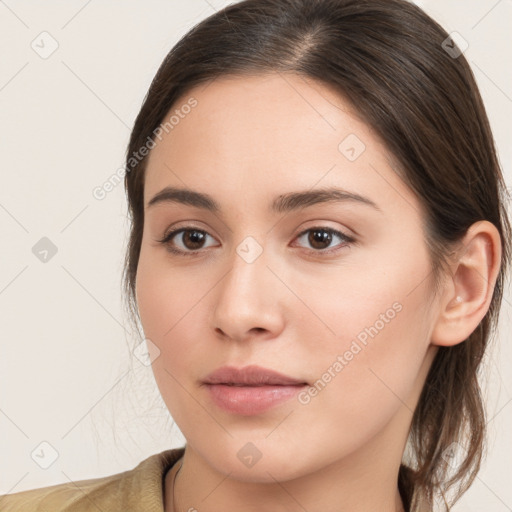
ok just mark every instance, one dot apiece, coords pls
pixel 391 61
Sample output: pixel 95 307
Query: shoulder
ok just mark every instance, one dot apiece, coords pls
pixel 140 488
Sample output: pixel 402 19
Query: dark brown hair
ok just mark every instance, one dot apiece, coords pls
pixel 387 58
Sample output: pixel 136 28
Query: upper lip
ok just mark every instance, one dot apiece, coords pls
pixel 250 376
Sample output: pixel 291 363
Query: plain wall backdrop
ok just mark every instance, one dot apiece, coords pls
pixel 73 74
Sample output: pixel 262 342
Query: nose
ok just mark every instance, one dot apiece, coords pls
pixel 249 301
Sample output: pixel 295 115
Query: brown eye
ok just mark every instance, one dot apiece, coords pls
pixel 193 239
pixel 320 238
pixel 188 241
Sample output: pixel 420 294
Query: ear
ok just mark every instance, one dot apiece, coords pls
pixel 469 289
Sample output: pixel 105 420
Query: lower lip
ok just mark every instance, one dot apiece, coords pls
pixel 250 400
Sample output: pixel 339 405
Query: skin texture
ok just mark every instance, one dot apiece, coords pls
pixel 294 310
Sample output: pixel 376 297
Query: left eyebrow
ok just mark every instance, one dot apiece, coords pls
pixel 297 200
pixel 282 203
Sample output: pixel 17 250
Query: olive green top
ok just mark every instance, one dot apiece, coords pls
pixel 140 489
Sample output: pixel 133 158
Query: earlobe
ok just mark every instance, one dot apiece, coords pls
pixel 469 289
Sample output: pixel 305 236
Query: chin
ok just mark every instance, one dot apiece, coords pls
pixel 263 461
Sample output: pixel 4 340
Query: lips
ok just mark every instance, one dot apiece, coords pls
pixel 250 390
pixel 250 376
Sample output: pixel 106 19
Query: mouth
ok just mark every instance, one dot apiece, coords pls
pixel 250 390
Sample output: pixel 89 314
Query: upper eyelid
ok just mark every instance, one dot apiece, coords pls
pixel 176 230
pixel 349 233
pixel 189 227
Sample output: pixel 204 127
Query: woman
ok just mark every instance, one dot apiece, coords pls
pixel 318 252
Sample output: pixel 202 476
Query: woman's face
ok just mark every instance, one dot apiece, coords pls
pixel 263 281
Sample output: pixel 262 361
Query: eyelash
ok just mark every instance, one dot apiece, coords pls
pixel 347 240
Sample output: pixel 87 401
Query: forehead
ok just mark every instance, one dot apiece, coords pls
pixel 275 131
pixel 239 113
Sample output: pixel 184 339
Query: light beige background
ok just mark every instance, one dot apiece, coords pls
pixel 66 377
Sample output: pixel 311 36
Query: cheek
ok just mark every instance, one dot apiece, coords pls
pixel 165 297
pixel 169 304
pixel 366 364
